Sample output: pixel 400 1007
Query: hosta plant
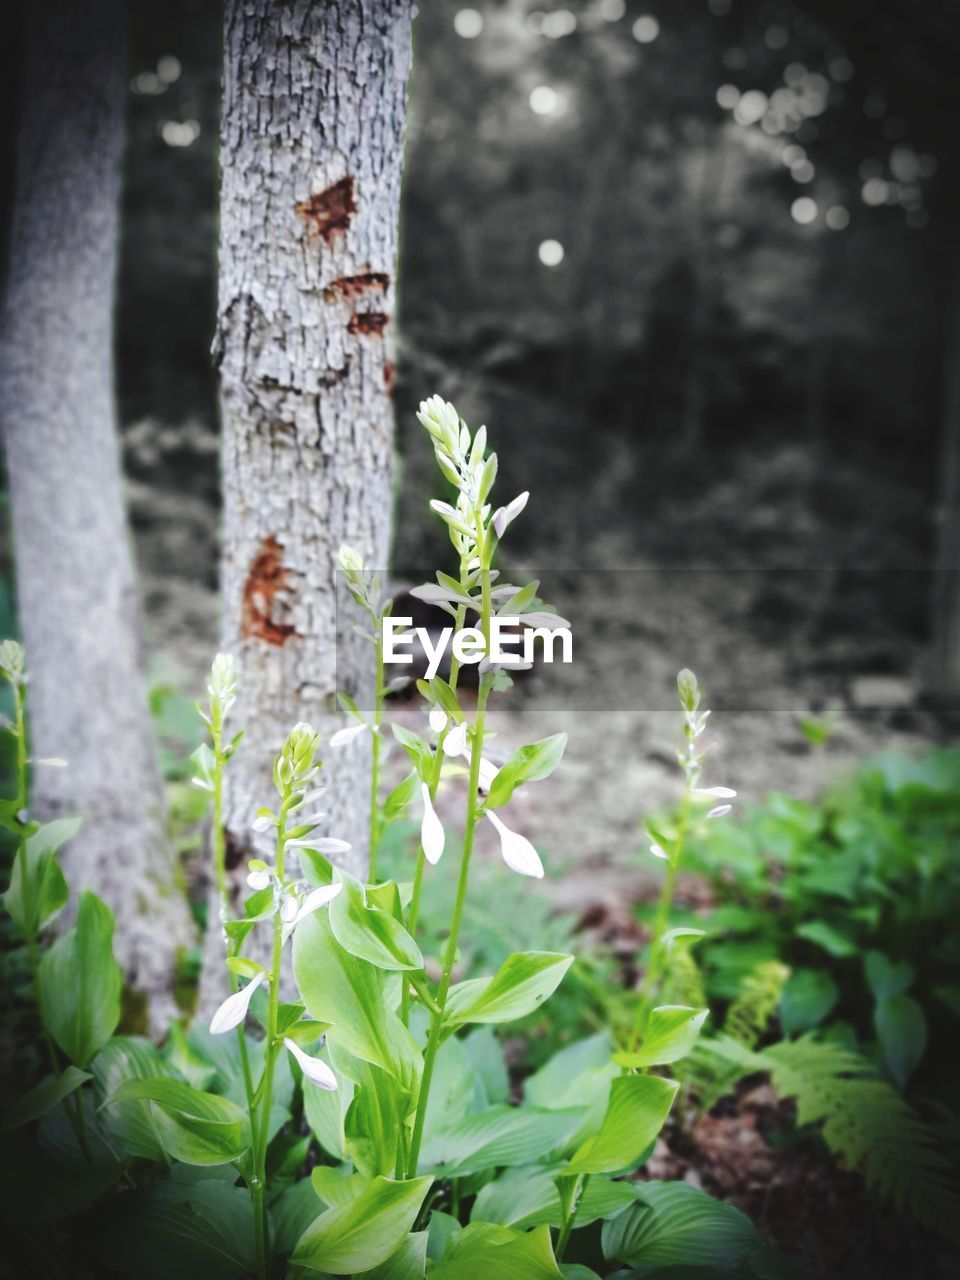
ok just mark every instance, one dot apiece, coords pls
pixel 368 1125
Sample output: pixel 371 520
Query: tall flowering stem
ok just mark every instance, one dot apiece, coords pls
pixel 690 759
pixel 463 878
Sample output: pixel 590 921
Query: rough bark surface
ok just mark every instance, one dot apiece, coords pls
pixel 77 601
pixel 312 135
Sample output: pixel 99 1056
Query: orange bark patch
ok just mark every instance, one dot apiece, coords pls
pixel 389 375
pixel 368 323
pixel 330 211
pixel 266 578
pixel 356 286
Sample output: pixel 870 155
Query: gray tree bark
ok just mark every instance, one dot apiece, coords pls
pixel 945 657
pixel 77 601
pixel 312 129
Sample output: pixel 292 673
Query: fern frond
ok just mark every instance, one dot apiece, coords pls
pixel 749 1015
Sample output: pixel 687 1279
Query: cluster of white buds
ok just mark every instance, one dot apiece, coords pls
pixel 222 687
pixel 12 662
pixel 296 766
pixel 691 755
pixel 365 585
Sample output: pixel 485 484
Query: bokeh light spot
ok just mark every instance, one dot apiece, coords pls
pixel 804 211
pixel 646 29
pixel 550 253
pixel 468 23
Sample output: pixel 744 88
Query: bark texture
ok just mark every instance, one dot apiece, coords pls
pixel 312 132
pixel 87 695
pixel 945 673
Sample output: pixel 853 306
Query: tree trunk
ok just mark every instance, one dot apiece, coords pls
pixel 312 133
pixel 945 673
pixel 77 600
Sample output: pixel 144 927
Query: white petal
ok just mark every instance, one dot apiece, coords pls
pixel 456 740
pixel 432 835
pixel 263 823
pixel 658 851
pixel 315 900
pixel 314 1069
pixel 234 1009
pixel 288 909
pixel 488 771
pixel 517 851
pixel 718 793
pixel 258 879
pixel 53 762
pixel 505 516
pixel 310 819
pixel 343 736
pixel 330 844
pixel 720 810
pixel 438 719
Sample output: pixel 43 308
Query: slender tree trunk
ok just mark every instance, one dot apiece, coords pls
pixel 945 673
pixel 312 133
pixel 77 601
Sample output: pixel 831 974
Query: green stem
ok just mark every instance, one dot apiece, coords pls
pixel 270 1050
pixel 375 767
pixel 657 956
pixel 570 1208
pixel 463 880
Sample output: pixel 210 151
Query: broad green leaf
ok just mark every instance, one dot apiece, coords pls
pixel 35 899
pixel 337 1187
pixel 672 1030
pixel 638 1107
pixel 498 1138
pixel 485 1250
pixel 527 1196
pixel 446 698
pixel 453 1090
pixel 292 1212
pixel 887 977
pixel 441 1229
pixel 520 985
pixel 197 1128
pixel 80 983
pixel 370 933
pixel 577 1271
pixel 132 1124
pixel 809 996
pixel 38 1101
pixel 325 1110
pixel 408 1263
pixel 526 764
pixel 675 1225
pixel 490 1069
pixel 193 1231
pixel 350 995
pixel 374 1119
pixel 902 1032
pixel 825 936
pixel 365 1232
pixel 578 1076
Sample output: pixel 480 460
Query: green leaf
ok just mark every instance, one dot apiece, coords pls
pixel 350 995
pixel 578 1076
pixel 325 1110
pixel 197 1128
pixel 527 1196
pixel 365 1232
pixel 675 1225
pixel 527 764
pixel 408 1263
pixel 810 994
pixel 485 1250
pixel 520 985
pixel 902 1031
pixel 39 1100
pixel 80 983
pixel 350 708
pixel 370 933
pixel 638 1107
pixel 193 1231
pixel 37 898
pixel 374 1118
pixel 415 747
pixel 132 1124
pixel 497 1138
pixel 671 1033
pixel 400 796
pixel 887 977
pixel 826 937
pixel 446 698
